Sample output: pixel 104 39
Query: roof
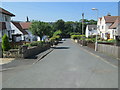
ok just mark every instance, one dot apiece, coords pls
pixel 92 27
pixel 2 25
pixel 110 19
pixel 115 24
pixel 6 12
pixel 17 24
pixel 25 25
pixel 100 18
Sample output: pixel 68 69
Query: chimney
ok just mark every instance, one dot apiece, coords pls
pixel 108 14
pixel 27 19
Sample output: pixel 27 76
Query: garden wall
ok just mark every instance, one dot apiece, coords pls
pixel 28 52
pixel 110 50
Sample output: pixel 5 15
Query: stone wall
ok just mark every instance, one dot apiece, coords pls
pixel 28 52
pixel 110 50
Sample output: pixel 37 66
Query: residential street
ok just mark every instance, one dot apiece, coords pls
pixel 67 66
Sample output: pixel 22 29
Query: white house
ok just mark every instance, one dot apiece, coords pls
pixel 91 30
pixel 115 27
pixel 18 33
pixel 5 26
pixel 104 25
pixel 25 26
pixel 22 33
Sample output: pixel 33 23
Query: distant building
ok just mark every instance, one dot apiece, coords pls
pixel 91 30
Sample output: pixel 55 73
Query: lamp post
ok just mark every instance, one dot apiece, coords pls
pixel 96 43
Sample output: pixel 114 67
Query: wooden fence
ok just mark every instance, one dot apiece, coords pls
pixel 110 50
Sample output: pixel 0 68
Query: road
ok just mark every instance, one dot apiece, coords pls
pixel 67 66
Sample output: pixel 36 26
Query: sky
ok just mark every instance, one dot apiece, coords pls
pixel 52 11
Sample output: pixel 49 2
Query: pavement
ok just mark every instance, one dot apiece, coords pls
pixel 11 63
pixel 6 60
pixel 105 57
pixel 68 66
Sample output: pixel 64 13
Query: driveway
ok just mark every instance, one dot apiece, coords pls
pixel 67 66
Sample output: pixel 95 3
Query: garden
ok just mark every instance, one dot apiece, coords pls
pixel 90 41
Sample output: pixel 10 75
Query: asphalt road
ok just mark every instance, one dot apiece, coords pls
pixel 67 66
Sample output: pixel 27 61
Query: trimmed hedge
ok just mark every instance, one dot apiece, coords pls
pixel 35 43
pixel 77 36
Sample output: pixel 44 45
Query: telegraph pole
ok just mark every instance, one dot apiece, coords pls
pixel 82 23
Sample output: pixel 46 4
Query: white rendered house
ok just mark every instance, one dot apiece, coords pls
pixel 104 25
pixel 5 26
pixel 91 30
pixel 22 33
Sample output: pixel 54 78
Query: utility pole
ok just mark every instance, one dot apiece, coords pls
pixel 82 23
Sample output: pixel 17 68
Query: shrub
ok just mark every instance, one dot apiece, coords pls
pixel 35 43
pixel 111 40
pixel 90 40
pixel 77 36
pixel 5 43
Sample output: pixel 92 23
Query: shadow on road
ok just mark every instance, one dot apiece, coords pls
pixel 61 47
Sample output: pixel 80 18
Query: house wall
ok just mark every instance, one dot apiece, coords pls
pixel 31 36
pixel 17 31
pixel 92 32
pixel 104 28
pixel 87 32
pixel 6 19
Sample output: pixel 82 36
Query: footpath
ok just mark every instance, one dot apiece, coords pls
pixel 8 63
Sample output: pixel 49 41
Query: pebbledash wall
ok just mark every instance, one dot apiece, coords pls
pixel 110 50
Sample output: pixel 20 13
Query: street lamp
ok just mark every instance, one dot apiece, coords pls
pixel 96 43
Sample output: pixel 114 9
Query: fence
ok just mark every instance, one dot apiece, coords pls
pixel 110 50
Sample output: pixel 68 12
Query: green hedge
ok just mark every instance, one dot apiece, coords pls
pixel 77 36
pixel 35 43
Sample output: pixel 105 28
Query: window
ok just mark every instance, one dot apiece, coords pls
pixel 12 31
pixel 9 34
pixel 102 27
pixel 6 18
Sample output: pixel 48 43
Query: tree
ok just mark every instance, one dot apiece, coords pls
pixel 58 32
pixel 59 25
pixel 69 27
pixel 40 28
pixel 5 43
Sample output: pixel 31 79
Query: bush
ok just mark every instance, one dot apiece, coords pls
pixel 77 36
pixel 90 40
pixel 107 41
pixel 5 43
pixel 35 43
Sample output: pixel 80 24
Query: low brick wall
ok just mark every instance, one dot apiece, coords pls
pixel 28 52
pixel 110 50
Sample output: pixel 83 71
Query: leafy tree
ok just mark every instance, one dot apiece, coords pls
pixel 40 28
pixel 58 32
pixel 5 43
pixel 59 25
